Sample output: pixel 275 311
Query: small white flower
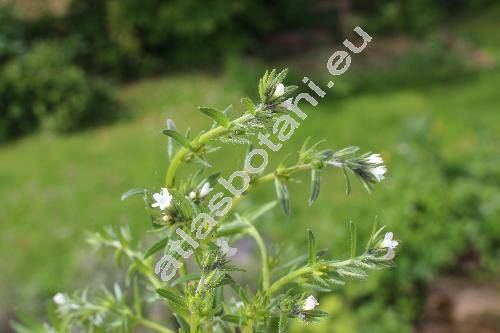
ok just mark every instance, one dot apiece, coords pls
pixel 239 304
pixel 280 90
pixel 287 104
pixel 310 303
pixel 59 298
pixel 379 172
pixel 163 199
pixel 205 189
pixel 388 242
pixel 225 248
pixel 375 159
pixel 165 218
pixel 192 195
pixel 390 254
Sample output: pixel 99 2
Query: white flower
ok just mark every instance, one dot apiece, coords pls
pixel 280 90
pixel 390 254
pixel 163 199
pixel 379 172
pixel 192 195
pixel 225 248
pixel 205 189
pixel 165 218
pixel 388 242
pixel 59 298
pixel 310 303
pixel 375 159
pixel 287 104
pixel 240 304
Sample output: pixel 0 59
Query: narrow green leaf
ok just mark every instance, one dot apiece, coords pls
pixel 281 76
pixel 249 105
pixel 347 181
pixel 283 195
pixel 312 248
pixel 315 185
pixel 346 151
pixel 353 239
pixel 230 229
pixel 374 231
pixel 170 142
pixel 255 213
pixel 182 205
pixel 132 192
pixel 177 300
pixel 231 318
pixel 218 116
pixel 184 278
pixel 179 138
pixel 156 247
pixel 228 110
pixel 185 328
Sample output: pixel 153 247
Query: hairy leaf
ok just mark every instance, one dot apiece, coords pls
pixel 218 116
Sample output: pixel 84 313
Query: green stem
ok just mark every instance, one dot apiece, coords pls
pixel 291 277
pixel 152 325
pixel 193 322
pixel 211 134
pixel 252 231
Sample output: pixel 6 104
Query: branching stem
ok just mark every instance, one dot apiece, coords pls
pixel 252 231
pixel 198 142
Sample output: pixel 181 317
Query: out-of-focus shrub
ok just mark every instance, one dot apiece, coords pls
pixel 133 37
pixel 42 88
pixel 11 34
pixel 431 61
pixel 414 16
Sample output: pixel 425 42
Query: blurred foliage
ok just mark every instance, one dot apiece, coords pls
pixel 12 33
pixel 447 215
pixel 127 38
pixel 42 88
pixel 413 16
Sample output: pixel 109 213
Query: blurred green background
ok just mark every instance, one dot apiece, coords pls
pixel 86 87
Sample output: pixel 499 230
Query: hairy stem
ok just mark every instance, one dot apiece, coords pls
pixel 288 279
pixel 198 142
pixel 291 277
pixel 193 322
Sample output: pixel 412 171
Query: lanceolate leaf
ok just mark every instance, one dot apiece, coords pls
pixel 185 328
pixel 312 248
pixel 179 138
pixel 132 192
pixel 177 300
pixel 156 247
pixel 184 278
pixel 315 185
pixel 283 195
pixel 353 239
pixel 218 116
pixel 347 181
pixel 170 144
pixel 249 105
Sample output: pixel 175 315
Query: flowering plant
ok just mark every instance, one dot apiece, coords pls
pixel 195 226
